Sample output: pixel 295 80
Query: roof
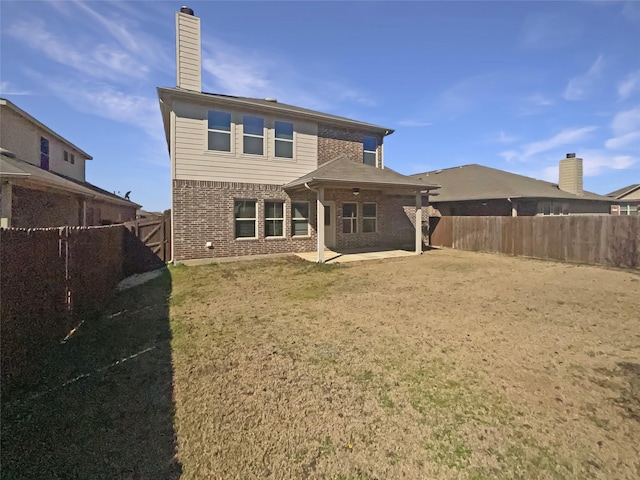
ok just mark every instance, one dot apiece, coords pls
pixel 13 168
pixel 25 115
pixel 342 170
pixel 477 182
pixel 621 193
pixel 271 106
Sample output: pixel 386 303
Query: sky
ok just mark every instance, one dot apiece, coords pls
pixel 510 85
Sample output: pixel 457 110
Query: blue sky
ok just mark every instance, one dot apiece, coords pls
pixel 512 85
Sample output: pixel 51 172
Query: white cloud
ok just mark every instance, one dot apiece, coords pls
pixel 413 123
pixel 626 121
pixel 7 89
pixel 626 140
pixel 506 138
pixel 99 61
pixel 510 155
pixel 596 162
pixel 580 86
pixel 540 100
pixel 629 84
pixel 568 136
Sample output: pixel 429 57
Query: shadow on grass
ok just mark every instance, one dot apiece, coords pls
pixel 103 405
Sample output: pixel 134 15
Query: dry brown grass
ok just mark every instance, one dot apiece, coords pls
pixel 449 365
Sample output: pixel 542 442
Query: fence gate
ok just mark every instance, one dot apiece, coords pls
pixel 155 233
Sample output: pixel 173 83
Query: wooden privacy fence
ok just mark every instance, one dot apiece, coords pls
pixel 155 233
pixel 51 279
pixel 597 240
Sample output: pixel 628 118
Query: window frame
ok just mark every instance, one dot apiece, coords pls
pixel 65 155
pixel 300 219
pixel 353 220
pixel 284 140
pixel 229 132
pixel 237 219
pixel 43 154
pixel 375 151
pixel 374 218
pixel 72 159
pixel 253 135
pixel 275 219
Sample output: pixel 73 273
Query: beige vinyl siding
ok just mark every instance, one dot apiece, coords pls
pixel 195 162
pixel 22 137
pixel 188 52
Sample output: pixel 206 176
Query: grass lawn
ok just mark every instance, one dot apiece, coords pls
pixel 449 365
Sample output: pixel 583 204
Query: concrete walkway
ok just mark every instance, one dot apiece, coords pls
pixel 355 256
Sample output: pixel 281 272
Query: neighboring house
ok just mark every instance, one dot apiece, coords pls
pixel 253 176
pixel 627 200
pixel 43 178
pixel 471 190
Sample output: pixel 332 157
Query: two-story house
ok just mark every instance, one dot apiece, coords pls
pixel 43 178
pixel 256 176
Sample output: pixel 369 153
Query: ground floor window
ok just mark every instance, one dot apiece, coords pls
pixel 299 219
pixel 349 218
pixel 245 218
pixel 273 219
pixel 369 218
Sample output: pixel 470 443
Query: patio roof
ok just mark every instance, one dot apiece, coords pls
pixel 342 172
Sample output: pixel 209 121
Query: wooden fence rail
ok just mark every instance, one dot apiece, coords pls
pixel 597 240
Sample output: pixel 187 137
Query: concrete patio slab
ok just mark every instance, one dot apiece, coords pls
pixel 355 256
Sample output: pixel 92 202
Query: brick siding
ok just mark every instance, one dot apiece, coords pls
pixel 203 211
pixel 334 141
pixel 36 208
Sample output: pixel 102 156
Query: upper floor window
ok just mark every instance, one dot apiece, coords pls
pixel 44 153
pixel 370 145
pixel 253 138
pixel 284 139
pixel 65 155
pixel 219 131
pixel 73 158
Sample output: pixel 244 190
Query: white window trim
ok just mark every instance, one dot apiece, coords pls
pixel 292 141
pixel 375 152
pixel 263 136
pixel 283 218
pixel 370 218
pixel 255 219
pixel 308 220
pixel 354 220
pixel 231 132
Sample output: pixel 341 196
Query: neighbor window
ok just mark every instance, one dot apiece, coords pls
pixel 44 153
pixel 369 217
pixel 349 218
pixel 73 158
pixel 299 219
pixel 245 218
pixel 370 145
pixel 219 131
pixel 284 139
pixel 273 219
pixel 65 155
pixel 253 138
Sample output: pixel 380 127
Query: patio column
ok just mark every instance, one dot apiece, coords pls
pixel 418 222
pixel 7 203
pixel 320 224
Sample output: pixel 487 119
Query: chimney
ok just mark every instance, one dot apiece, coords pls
pixel 571 174
pixel 188 56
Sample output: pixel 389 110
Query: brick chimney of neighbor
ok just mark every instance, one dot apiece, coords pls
pixel 188 54
pixel 571 174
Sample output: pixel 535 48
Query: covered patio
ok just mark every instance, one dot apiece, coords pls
pixel 359 206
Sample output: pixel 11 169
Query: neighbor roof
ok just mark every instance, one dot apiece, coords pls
pixel 25 115
pixel 477 182
pixel 14 168
pixel 624 191
pixel 269 105
pixel 341 170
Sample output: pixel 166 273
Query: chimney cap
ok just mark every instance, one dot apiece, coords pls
pixel 271 99
pixel 187 10
pixel 571 155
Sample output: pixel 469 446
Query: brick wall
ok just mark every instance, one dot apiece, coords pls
pixel 35 208
pixel 203 212
pixel 334 141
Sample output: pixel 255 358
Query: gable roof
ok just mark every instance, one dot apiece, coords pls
pixel 26 116
pixel 341 170
pixel 621 193
pixel 14 168
pixel 477 182
pixel 271 106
